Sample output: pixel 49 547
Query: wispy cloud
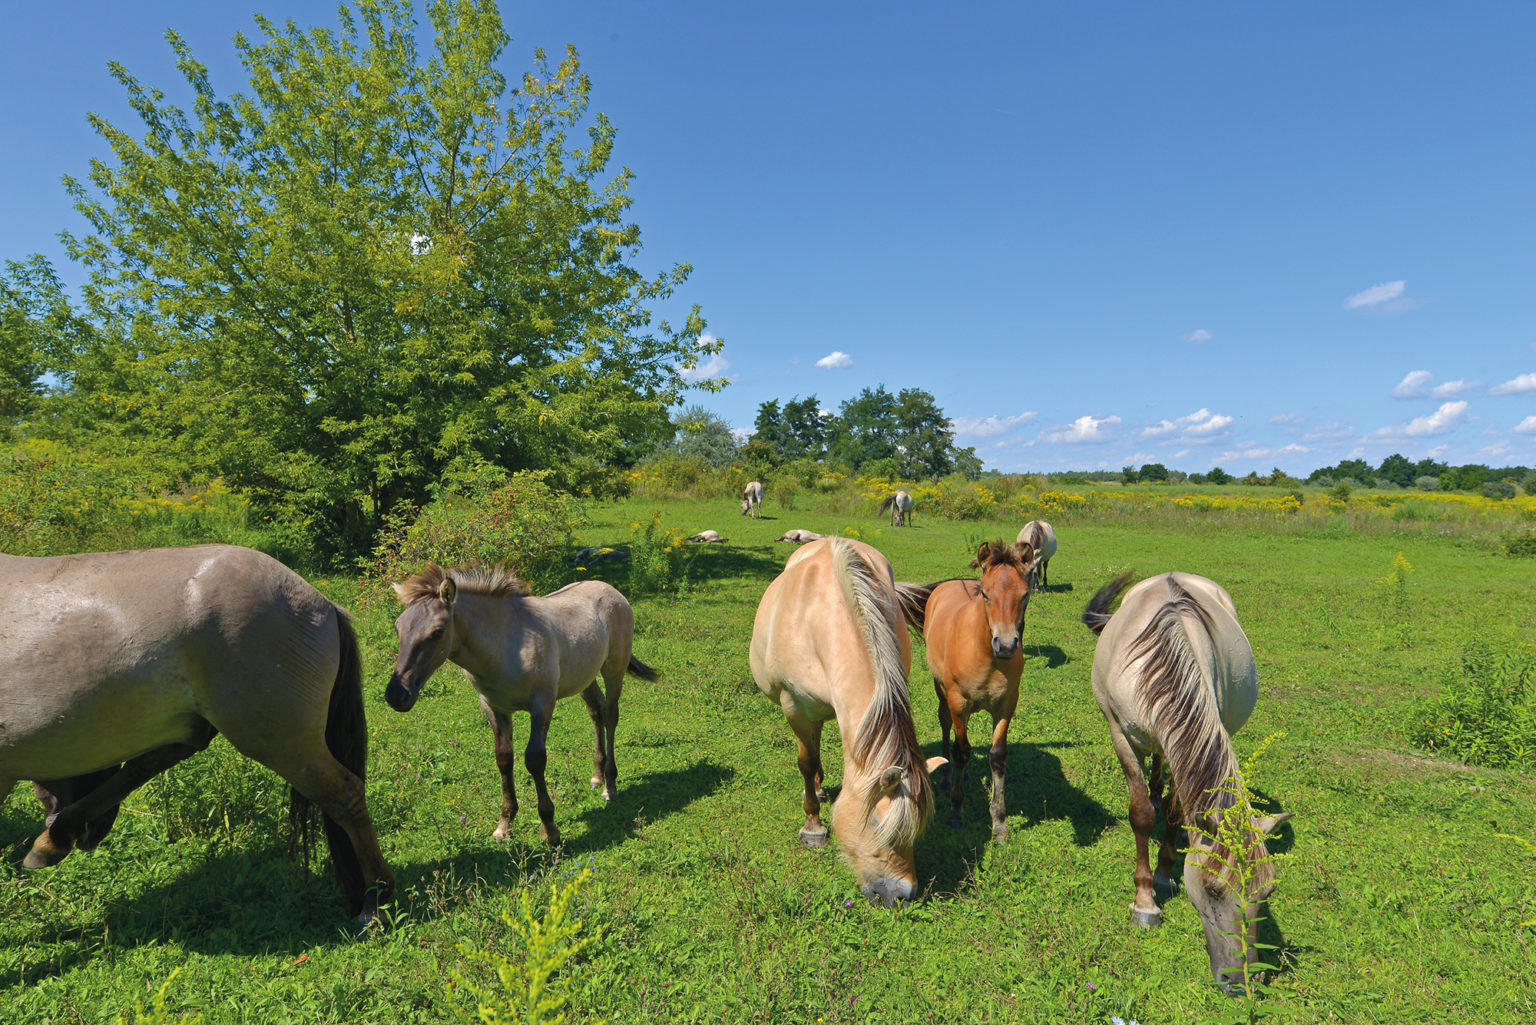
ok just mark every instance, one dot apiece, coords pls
pixel 1335 433
pixel 1251 452
pixel 835 360
pixel 1526 426
pixel 1439 422
pixel 1201 425
pixel 989 426
pixel 1451 389
pixel 1198 335
pixel 1086 429
pixel 1288 419
pixel 715 366
pixel 1376 295
pixel 1525 384
pixel 1412 386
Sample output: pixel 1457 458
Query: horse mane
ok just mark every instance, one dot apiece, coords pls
pixel 491 581
pixel 1001 553
pixel 887 735
pixel 1179 705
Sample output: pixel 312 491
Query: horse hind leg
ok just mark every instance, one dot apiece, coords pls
pixel 602 776
pixel 962 762
pixel 814 832
pixel 1143 816
pixel 945 774
pixel 1165 880
pixel 997 760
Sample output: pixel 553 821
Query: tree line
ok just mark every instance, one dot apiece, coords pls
pixel 1395 470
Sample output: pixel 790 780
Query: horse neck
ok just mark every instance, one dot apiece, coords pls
pixel 488 630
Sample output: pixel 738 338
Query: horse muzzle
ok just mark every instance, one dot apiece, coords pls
pixel 888 891
pixel 1005 647
pixel 400 697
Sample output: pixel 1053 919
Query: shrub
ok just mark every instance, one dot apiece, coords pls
pixel 524 524
pixel 959 499
pixel 1427 483
pixel 1485 712
pixel 1499 489
pixel 1521 546
pixel 658 559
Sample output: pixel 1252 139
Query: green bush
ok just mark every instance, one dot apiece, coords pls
pixel 524 524
pixel 1520 545
pixel 1485 712
pixel 959 499
pixel 1499 489
pixel 658 559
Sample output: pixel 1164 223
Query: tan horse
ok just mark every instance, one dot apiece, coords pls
pixel 799 537
pixel 522 654
pixel 974 633
pixel 1174 675
pixel 120 664
pixel 900 505
pixel 1039 536
pixel 752 500
pixel 828 641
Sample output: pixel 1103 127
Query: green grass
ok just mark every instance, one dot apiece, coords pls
pixel 1400 902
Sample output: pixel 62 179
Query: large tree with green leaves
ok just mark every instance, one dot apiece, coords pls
pixel 375 269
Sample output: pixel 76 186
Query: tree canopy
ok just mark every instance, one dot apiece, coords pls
pixel 906 434
pixel 374 270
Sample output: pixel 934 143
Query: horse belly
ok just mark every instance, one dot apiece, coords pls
pixel 60 732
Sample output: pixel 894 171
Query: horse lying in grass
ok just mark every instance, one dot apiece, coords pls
pixel 974 632
pixel 799 537
pixel 828 641
pixel 522 654
pixel 1174 675
pixel 118 665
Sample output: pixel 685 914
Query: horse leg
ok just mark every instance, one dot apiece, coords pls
pixel 997 759
pixel 593 696
pixel 944 726
pixel 535 757
pixel 808 756
pixel 1164 880
pixel 613 683
pixel 501 730
pixel 69 824
pixel 1143 816
pixel 962 760
pixel 56 794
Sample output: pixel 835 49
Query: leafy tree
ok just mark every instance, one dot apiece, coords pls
pixel 769 428
pixel 1128 475
pixel 925 443
pixel 37 327
pixel 705 435
pixel 866 427
pixel 1397 469
pixel 805 429
pixel 1153 472
pixel 1218 476
pixel 373 271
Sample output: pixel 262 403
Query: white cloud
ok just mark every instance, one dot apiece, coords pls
pixel 1330 434
pixel 1526 426
pixel 988 426
pixel 1412 386
pixel 715 366
pixel 1085 429
pixel 1288 419
pixel 1525 384
pixel 741 434
pixel 1451 389
pixel 1376 295
pixel 835 360
pixel 1439 422
pixel 1198 335
pixel 1201 425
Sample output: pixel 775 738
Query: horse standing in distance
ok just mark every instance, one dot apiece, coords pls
pixel 1039 536
pixel 1174 675
pixel 752 499
pixel 828 641
pixel 974 630
pixel 799 537
pixel 118 665
pixel 522 654
pixel 900 505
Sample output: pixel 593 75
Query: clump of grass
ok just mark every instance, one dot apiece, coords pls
pixel 1521 546
pixel 1485 712
pixel 530 987
pixel 1398 617
pixel 658 559
pixel 157 1013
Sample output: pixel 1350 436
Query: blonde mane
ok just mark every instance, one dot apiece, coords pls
pixel 491 581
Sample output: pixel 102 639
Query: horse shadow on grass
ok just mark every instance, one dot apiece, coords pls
pixel 1035 791
pixel 1054 656
pixel 704 563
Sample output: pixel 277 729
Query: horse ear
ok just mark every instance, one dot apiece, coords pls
pixel 1264 825
pixel 983 553
pixel 937 763
pixel 447 591
pixel 890 779
pixel 1026 552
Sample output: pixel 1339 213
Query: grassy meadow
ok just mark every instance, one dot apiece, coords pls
pixel 1404 894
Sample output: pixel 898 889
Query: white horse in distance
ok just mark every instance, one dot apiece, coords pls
pixel 752 500
pixel 900 505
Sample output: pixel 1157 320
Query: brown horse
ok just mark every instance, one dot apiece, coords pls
pixel 120 664
pixel 974 632
pixel 828 641
pixel 1174 675
pixel 523 654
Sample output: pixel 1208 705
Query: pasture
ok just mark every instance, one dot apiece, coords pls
pixel 1398 898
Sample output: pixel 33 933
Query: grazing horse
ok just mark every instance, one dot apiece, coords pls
pixel 828 641
pixel 900 505
pixel 522 654
pixel 1174 675
pixel 799 537
pixel 974 632
pixel 752 499
pixel 1039 536
pixel 118 665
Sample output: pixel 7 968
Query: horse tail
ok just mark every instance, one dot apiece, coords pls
pixel 914 603
pixel 346 736
pixel 886 736
pixel 1096 616
pixel 1178 702
pixel 640 669
pixel 889 501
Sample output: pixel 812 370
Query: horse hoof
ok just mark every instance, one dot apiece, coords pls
pixel 813 840
pixel 44 854
pixel 1146 919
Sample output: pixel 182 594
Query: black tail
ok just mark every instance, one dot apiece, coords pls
pixel 346 735
pixel 640 669
pixel 914 602
pixel 1096 616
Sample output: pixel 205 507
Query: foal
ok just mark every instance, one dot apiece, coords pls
pixel 974 632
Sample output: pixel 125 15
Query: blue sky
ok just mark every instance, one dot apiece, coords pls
pixel 1099 234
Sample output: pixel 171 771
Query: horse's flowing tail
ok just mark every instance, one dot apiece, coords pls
pixel 886 736
pixel 346 735
pixel 889 501
pixel 1096 616
pixel 640 669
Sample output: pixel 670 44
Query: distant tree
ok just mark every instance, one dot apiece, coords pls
pixel 866 428
pixel 1153 472
pixel 1397 469
pixel 1197 478
pixel 769 428
pixel 1465 478
pixel 1128 475
pixel 1253 478
pixel 705 435
pixel 38 328
pixel 967 463
pixel 759 455
pixel 1427 483
pixel 925 443
pixel 1218 476
pixel 805 429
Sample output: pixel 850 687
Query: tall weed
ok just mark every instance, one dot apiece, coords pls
pixel 1485 713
